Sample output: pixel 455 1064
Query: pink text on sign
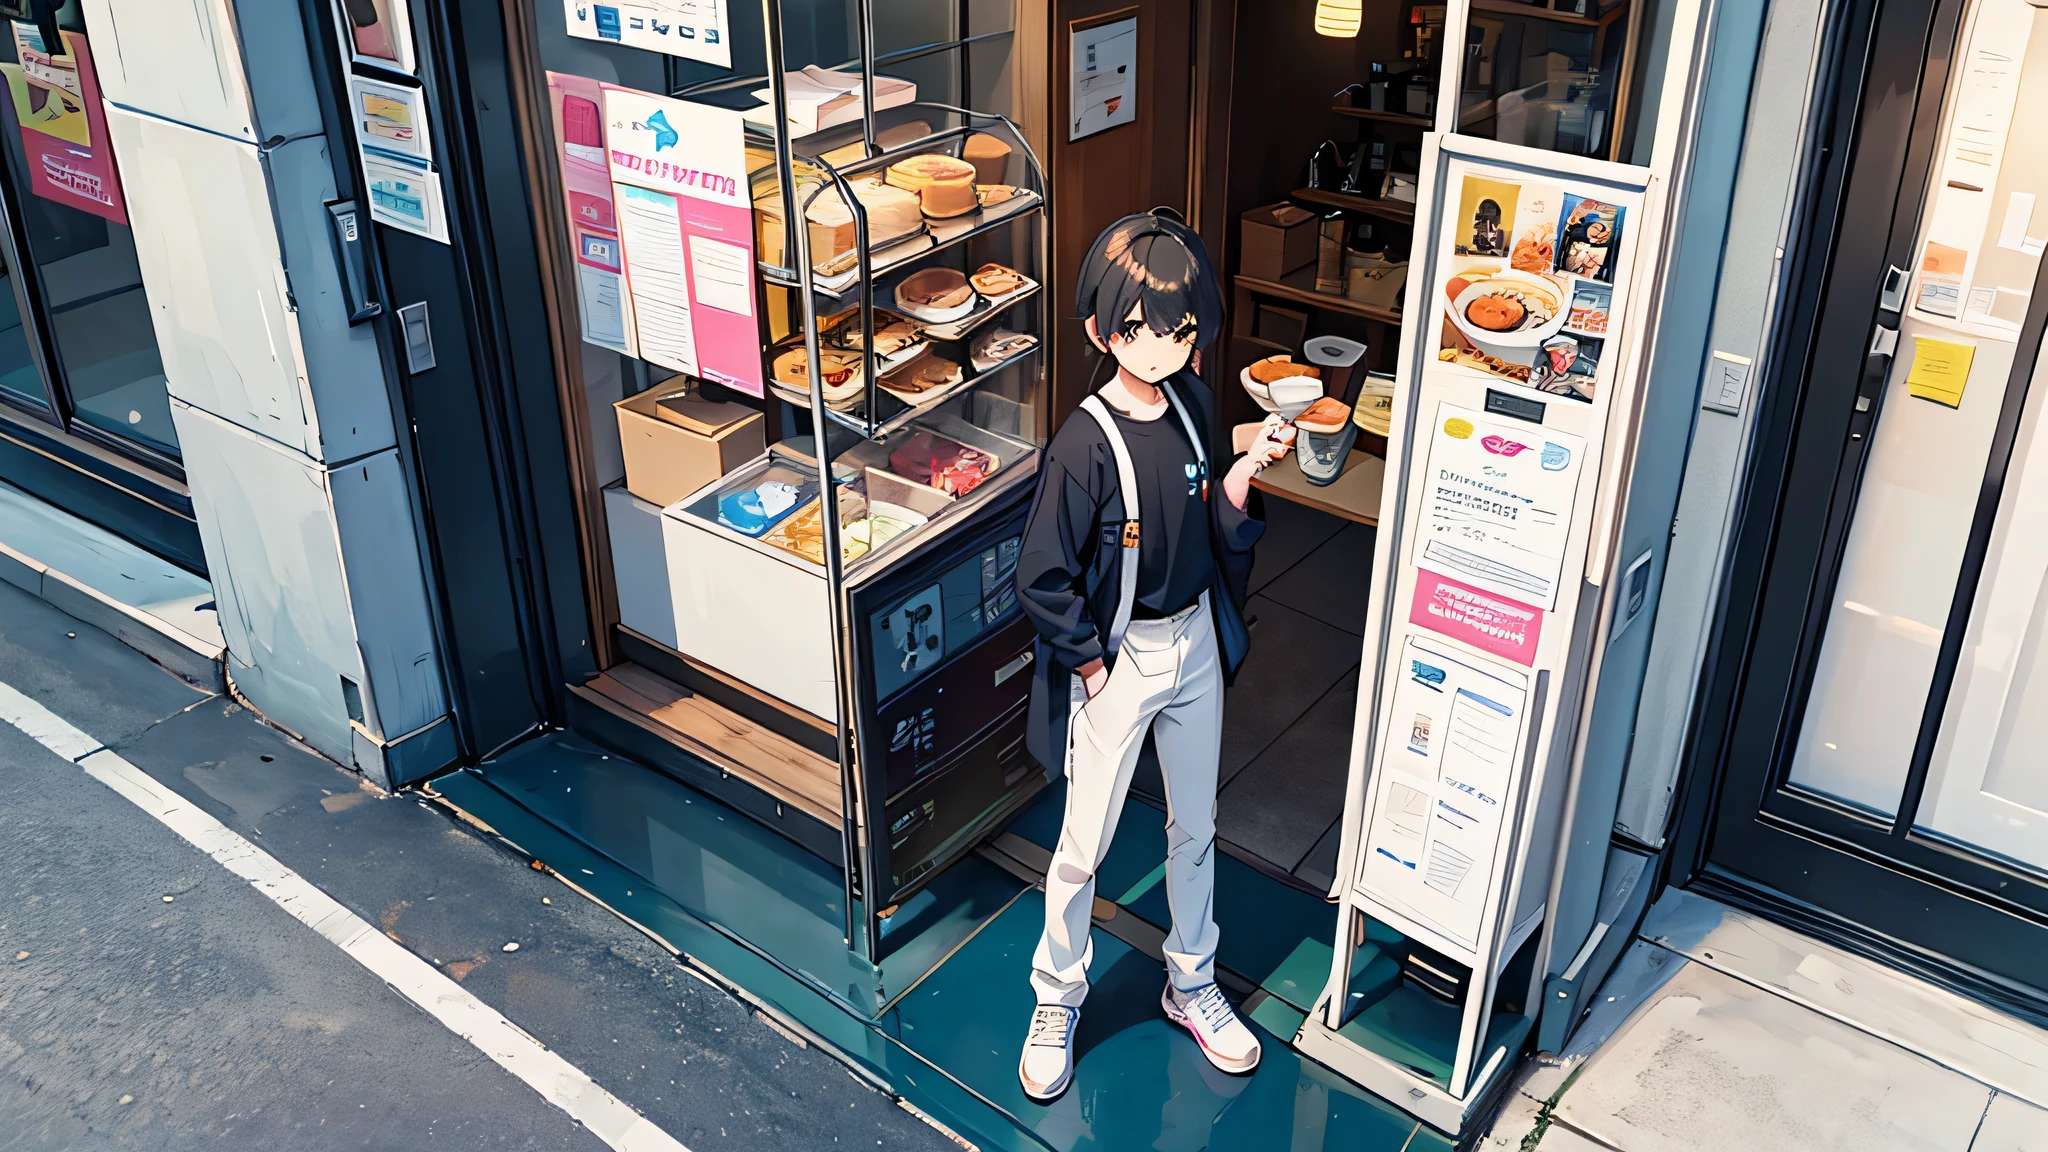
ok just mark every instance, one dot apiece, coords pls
pixel 1488 622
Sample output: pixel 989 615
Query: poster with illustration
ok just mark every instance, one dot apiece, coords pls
pixel 1589 233
pixel 679 182
pixel 1528 290
pixel 1105 80
pixel 577 103
pixel 1486 214
pixel 63 124
pixel 692 29
pixel 380 32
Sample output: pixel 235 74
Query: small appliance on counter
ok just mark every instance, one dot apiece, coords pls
pixel 1326 428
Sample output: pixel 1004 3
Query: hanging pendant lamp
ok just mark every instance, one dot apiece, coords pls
pixel 1338 17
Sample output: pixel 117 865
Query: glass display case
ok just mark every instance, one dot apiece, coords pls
pixel 757 541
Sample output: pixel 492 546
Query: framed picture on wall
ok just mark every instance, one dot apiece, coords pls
pixel 378 32
pixel 1104 73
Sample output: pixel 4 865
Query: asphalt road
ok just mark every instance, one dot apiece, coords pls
pixel 150 999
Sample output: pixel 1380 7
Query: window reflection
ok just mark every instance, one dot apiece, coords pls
pixel 18 372
pixel 82 265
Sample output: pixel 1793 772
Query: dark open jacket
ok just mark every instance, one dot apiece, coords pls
pixel 1070 572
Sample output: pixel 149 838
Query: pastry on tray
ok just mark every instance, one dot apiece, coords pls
pixel 839 368
pixel 924 379
pixel 804 534
pixel 995 280
pixel 990 195
pixel 943 184
pixel 1325 417
pixel 895 335
pixel 995 345
pixel 894 215
pixel 947 465
pixel 990 156
pixel 935 295
pixel 1279 368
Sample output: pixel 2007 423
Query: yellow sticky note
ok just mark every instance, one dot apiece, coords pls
pixel 1940 369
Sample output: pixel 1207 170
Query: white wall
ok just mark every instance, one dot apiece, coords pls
pixel 283 409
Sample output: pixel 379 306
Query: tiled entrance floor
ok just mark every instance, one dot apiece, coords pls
pixel 1718 1032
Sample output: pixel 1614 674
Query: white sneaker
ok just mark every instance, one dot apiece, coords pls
pixel 1047 1066
pixel 1225 1040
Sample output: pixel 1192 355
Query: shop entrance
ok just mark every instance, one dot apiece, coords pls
pixel 1883 773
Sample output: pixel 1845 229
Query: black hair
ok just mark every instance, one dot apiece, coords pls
pixel 1154 262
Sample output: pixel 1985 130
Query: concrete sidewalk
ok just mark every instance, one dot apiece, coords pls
pixel 1723 1032
pixel 150 998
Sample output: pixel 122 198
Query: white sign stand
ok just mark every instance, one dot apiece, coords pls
pixel 1524 327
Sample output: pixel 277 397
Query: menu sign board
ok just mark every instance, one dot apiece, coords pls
pixel 1509 381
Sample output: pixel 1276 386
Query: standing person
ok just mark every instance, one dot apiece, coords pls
pixel 1134 574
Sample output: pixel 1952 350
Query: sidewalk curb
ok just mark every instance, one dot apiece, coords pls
pixel 197 660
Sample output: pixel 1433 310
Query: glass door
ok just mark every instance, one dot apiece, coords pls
pixel 1884 764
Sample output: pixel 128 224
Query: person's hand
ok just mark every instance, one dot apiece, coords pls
pixel 1275 439
pixel 1094 674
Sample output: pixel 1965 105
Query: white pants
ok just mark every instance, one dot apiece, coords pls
pixel 1167 679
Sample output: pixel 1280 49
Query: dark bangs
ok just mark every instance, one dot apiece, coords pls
pixel 1160 265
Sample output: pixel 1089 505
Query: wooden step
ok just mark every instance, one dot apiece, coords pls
pixel 780 767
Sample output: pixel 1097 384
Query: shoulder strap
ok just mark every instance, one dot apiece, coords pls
pixel 1127 487
pixel 1187 424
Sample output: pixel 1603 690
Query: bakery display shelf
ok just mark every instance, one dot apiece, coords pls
pixel 1400 211
pixel 1384 117
pixel 1300 288
pixel 892 414
pixel 941 234
pixel 984 311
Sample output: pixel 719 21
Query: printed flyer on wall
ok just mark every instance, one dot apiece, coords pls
pixel 398 157
pixel 63 124
pixel 1528 284
pixel 1983 231
pixel 679 181
pixel 693 29
pixel 578 104
pixel 1496 507
pixel 1440 800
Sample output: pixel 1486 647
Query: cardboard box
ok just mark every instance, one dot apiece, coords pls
pixel 673 449
pixel 1275 240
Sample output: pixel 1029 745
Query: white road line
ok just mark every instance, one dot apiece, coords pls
pixel 560 1082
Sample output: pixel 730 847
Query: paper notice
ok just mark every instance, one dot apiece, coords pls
pixel 1497 504
pixel 687 164
pixel 653 231
pixel 1941 280
pixel 2019 212
pixel 723 275
pixel 1446 780
pixel 1940 370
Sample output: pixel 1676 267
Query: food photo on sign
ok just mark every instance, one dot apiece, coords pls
pixel 1528 293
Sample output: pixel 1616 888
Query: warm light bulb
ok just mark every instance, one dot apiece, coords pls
pixel 1338 17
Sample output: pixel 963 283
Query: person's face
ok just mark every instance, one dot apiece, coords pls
pixel 1144 353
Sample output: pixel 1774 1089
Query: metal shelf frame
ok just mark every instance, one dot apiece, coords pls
pixel 862 825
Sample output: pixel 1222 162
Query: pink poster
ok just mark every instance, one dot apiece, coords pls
pixel 606 310
pixel 63 124
pixel 1488 622
pixel 679 180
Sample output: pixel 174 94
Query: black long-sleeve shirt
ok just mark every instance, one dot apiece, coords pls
pixel 1069 573
pixel 1175 553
